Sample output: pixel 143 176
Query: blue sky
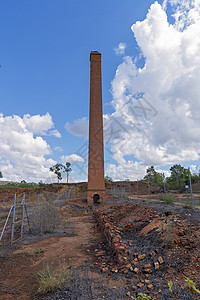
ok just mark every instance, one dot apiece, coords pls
pixel 44 58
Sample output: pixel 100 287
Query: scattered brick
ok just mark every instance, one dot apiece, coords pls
pixel 156 266
pixel 140 285
pixel 141 256
pixel 160 259
pixel 150 286
pixel 147 266
pixel 149 271
pixel 136 270
pixel 152 254
pixel 147 281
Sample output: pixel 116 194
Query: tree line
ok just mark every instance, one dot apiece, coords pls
pixel 178 179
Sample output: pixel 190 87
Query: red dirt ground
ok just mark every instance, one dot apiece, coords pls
pixel 18 271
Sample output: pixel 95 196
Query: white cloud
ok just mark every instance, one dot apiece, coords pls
pixel 161 125
pixel 22 155
pixel 120 49
pixel 56 133
pixel 40 124
pixel 72 158
pixel 187 12
pixel 194 169
pixel 58 148
pixel 79 127
pixel 37 124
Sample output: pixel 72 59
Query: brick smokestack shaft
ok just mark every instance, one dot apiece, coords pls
pixel 96 183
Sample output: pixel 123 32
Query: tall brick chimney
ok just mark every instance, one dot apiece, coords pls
pixel 96 183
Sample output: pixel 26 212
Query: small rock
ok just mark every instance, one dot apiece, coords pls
pixel 134 288
pixel 157 250
pixel 131 269
pixel 125 271
pixel 128 294
pixel 104 270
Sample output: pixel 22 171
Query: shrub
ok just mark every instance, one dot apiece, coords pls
pixel 169 199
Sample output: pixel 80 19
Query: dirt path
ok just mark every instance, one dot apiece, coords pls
pixel 18 272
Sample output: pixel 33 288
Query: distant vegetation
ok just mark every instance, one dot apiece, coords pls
pixel 178 179
pixel 22 184
pixel 108 179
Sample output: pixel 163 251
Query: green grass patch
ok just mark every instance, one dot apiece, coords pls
pixel 49 281
pixel 169 199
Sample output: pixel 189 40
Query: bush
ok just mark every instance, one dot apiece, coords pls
pixel 169 199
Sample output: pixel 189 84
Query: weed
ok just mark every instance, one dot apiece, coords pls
pixel 49 281
pixel 191 287
pixel 170 285
pixel 99 201
pixel 35 251
pixel 141 296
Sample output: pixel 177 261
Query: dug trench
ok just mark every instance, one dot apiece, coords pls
pixel 115 252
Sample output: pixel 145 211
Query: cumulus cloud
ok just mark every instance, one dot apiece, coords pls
pixel 38 124
pixel 22 154
pixel 79 127
pixel 158 104
pixel 120 49
pixel 72 158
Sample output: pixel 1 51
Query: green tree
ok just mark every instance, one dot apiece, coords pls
pixel 108 179
pixel 179 177
pixel 1 175
pixel 67 169
pixel 58 169
pixel 154 176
